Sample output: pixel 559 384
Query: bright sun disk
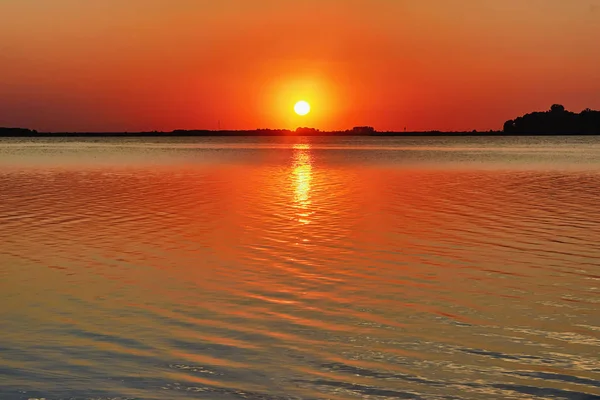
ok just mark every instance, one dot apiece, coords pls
pixel 302 108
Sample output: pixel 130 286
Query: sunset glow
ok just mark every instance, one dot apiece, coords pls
pixel 159 65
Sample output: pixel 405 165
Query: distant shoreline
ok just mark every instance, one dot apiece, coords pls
pixel 555 122
pixel 41 135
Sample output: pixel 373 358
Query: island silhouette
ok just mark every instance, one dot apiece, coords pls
pixel 556 121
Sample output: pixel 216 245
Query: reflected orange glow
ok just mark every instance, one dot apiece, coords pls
pixel 218 268
pixel 302 175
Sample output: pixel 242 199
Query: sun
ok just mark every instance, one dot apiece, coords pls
pixel 302 108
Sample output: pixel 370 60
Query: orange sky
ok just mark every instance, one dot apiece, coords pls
pixel 115 65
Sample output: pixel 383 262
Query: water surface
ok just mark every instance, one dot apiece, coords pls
pixel 300 268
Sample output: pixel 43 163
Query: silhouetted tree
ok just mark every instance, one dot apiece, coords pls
pixel 363 130
pixel 556 121
pixel 509 126
pixel 307 131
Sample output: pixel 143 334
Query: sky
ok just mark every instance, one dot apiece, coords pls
pixel 114 65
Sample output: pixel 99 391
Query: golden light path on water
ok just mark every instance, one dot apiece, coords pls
pixel 302 178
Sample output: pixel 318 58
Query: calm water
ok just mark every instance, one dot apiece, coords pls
pixel 415 268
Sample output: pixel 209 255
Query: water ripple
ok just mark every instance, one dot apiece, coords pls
pixel 300 269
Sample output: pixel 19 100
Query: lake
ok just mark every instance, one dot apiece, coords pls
pixel 300 268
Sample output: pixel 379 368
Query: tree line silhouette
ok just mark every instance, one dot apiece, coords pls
pixel 556 121
pixel 17 132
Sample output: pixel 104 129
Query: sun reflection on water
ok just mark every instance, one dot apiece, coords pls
pixel 302 176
